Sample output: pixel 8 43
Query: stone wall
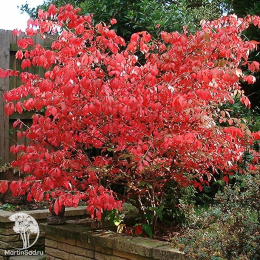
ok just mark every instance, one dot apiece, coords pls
pixel 78 242
pixel 9 239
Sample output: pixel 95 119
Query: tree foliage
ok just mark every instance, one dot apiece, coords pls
pixel 241 8
pixel 102 118
pixel 134 16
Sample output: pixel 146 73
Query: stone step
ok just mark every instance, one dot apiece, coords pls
pixel 27 257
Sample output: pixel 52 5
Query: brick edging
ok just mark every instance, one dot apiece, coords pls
pixel 80 234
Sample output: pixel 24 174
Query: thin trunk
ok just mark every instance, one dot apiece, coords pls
pixel 153 204
pixel 141 209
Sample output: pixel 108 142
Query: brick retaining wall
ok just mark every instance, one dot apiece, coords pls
pixel 77 242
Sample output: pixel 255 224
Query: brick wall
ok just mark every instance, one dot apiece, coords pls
pixel 78 242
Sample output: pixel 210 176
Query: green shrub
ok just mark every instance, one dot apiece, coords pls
pixel 177 202
pixel 228 230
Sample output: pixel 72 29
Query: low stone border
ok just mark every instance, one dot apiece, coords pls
pixel 78 242
pixel 9 239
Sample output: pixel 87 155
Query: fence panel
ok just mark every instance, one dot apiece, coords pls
pixel 8 135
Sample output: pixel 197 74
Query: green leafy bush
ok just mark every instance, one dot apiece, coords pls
pixel 228 230
pixel 177 202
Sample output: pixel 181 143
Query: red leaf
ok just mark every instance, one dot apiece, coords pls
pixel 29 104
pixel 19 55
pixel 31 31
pixel 16 123
pixel 134 37
pixel 246 101
pixel 22 43
pixel 146 37
pixel 27 168
pixel 38 104
pixel 40 197
pixel 16 32
pixel 256 135
pixel 52 10
pixel 49 183
pixel 98 214
pixel 4 73
pixel 203 94
pixel 9 109
pixel 143 47
pixel 29 41
pixel 19 107
pixel 15 188
pixel 3 186
pixel 56 207
pixel 225 179
pixel 198 185
pixel 113 21
pixel 250 79
pixel 138 230
pixel 56 172
pixel 47 197
pixel 8 96
pixel 29 197
pixel 26 63
pixel 111 34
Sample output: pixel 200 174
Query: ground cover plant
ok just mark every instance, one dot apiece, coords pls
pixel 103 117
pixel 230 229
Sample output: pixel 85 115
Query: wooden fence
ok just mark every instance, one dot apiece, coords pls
pixel 8 135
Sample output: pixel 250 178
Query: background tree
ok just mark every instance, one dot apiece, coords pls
pixel 144 15
pixel 241 8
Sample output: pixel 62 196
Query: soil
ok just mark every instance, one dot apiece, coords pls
pixel 167 233
pixel 163 233
pixel 23 207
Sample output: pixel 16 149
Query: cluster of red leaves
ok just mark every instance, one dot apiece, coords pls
pixel 151 122
pixel 3 186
